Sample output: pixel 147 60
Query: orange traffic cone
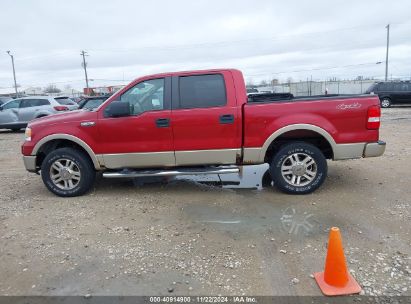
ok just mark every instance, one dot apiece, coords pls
pixel 336 280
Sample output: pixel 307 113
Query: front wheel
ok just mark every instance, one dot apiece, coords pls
pixel 67 172
pixel 298 168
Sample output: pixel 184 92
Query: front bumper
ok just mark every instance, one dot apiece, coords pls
pixel 374 149
pixel 30 163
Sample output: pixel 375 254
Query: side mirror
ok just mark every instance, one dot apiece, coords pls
pixel 117 109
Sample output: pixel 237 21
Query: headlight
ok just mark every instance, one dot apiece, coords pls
pixel 28 134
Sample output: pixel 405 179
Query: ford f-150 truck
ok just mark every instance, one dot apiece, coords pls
pixel 201 122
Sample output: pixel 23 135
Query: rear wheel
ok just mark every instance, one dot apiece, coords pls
pixel 298 168
pixel 385 102
pixel 67 172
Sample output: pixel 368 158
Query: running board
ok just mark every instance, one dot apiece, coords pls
pixel 180 171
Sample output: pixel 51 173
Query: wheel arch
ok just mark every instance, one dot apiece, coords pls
pixel 299 132
pixel 48 143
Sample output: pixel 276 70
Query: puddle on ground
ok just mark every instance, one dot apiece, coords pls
pixel 250 177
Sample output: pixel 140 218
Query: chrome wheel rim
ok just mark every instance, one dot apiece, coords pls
pixel 385 103
pixel 65 174
pixel 299 169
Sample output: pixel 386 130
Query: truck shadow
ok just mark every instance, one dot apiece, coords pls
pixel 255 178
pixel 251 177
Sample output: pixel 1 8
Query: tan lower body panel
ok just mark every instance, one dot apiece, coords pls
pixel 138 160
pixel 340 151
pixel 348 151
pixel 169 158
pixel 252 156
pixel 207 157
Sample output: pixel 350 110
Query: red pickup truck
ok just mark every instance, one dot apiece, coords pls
pixel 201 122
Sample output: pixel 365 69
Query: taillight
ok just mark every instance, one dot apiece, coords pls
pixel 373 117
pixel 61 108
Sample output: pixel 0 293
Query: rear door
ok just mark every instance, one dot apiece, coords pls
pixel 30 108
pixel 386 89
pixel 205 121
pixel 405 93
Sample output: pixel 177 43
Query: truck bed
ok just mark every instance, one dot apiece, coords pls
pixel 344 117
pixel 287 97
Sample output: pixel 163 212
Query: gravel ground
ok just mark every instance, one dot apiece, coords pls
pixel 183 237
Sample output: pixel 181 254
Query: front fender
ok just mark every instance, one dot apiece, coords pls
pixel 71 138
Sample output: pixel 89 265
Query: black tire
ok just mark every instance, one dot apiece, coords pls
pixel 385 102
pixel 83 164
pixel 303 150
pixel 15 129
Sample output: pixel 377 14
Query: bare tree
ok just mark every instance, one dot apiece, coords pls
pixel 51 89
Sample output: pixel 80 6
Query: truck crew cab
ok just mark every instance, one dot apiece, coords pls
pixel 201 122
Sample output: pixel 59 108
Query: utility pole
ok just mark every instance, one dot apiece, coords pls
pixel 14 73
pixel 84 54
pixel 386 55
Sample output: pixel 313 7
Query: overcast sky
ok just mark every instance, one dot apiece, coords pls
pixel 265 39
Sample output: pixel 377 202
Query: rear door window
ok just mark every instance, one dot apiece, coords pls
pixel 397 87
pixel 27 103
pixel 42 102
pixel 203 91
pixel 383 87
pixel 405 87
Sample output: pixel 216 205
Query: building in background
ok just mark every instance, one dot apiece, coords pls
pixel 105 90
pixel 310 88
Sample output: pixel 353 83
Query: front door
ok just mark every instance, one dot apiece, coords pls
pixel 30 108
pixel 143 139
pixel 9 114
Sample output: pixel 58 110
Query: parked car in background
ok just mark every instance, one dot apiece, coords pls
pixel 91 103
pixel 76 99
pixel 252 91
pixel 15 114
pixel 391 93
pixel 67 101
pixel 4 99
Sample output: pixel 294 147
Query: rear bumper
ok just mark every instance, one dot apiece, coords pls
pixel 374 149
pixel 30 163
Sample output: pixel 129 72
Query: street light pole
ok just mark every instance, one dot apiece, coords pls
pixel 84 54
pixel 14 73
pixel 386 55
